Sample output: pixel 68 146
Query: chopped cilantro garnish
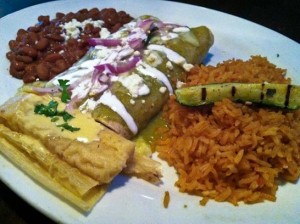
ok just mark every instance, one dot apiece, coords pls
pixel 54 119
pixel 68 127
pixel 65 96
pixel 51 110
pixel 65 115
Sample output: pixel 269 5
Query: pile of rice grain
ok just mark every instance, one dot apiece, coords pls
pixel 231 151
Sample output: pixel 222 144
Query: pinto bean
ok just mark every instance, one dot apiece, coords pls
pixel 116 27
pixel 35 29
pixel 15 73
pixel 52 57
pixel 29 51
pixel 45 20
pixel 59 15
pixel 29 77
pixel 13 44
pixel 32 38
pixel 58 67
pixel 96 30
pixel 56 37
pixel 21 32
pixel 10 56
pixel 41 51
pixel 110 16
pixel 42 71
pixel 42 44
pixel 61 64
pixel 24 58
pixel 19 66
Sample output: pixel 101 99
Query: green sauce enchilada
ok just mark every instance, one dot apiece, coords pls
pixel 127 76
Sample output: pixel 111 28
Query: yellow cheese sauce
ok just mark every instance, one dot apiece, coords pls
pixel 44 127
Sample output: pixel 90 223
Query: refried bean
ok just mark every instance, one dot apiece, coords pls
pixel 41 51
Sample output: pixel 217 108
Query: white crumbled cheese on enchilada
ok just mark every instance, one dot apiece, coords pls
pixel 135 85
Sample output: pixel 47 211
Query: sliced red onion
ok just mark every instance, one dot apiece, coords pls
pixel 106 69
pixel 104 78
pixel 128 66
pixel 168 26
pixel 71 104
pixel 117 69
pixel 46 90
pixel 145 24
pixel 136 44
pixel 104 42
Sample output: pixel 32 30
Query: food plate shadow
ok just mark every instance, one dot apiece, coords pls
pixel 208 58
pixel 119 181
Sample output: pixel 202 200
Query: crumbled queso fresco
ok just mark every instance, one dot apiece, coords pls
pixel 73 28
pixel 135 85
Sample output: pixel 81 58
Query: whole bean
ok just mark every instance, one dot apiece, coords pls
pixel 32 38
pixel 24 58
pixel 15 73
pixel 56 37
pixel 60 15
pixel 21 32
pixel 45 20
pixel 42 71
pixel 10 56
pixel 56 47
pixel 110 16
pixel 52 57
pixel 13 44
pixel 94 14
pixel 61 64
pixel 35 29
pixel 29 77
pixel 116 27
pixel 96 30
pixel 40 51
pixel 19 66
pixel 29 51
pixel 42 44
pixel 88 29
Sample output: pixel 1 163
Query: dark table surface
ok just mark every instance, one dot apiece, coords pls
pixel 280 16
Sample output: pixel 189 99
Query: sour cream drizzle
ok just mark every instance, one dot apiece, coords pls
pixel 155 73
pixel 171 55
pixel 116 105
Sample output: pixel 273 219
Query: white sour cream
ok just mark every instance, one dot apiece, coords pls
pixel 171 55
pixel 116 105
pixel 155 73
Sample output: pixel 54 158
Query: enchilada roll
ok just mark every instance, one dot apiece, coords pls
pixel 164 61
pixel 141 107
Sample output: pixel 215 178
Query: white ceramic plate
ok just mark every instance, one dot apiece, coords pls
pixel 130 200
